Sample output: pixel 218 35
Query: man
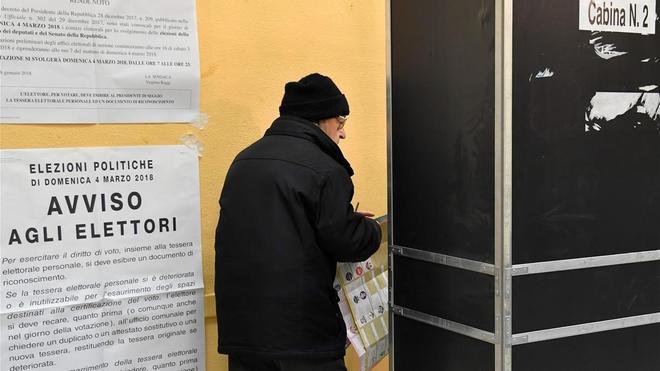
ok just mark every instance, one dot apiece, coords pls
pixel 285 221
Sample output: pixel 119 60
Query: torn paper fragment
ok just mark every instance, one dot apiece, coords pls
pixel 648 87
pixel 593 41
pixel 545 74
pixel 651 103
pixel 607 51
pixel 623 110
pixel 608 105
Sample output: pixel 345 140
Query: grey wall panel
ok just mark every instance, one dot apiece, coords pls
pixel 450 293
pixel 443 126
pixel 586 136
pixel 631 349
pixel 558 299
pixel 421 347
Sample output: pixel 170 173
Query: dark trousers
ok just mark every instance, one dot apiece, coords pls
pixel 247 363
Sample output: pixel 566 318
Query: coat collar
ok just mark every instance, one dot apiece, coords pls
pixel 301 128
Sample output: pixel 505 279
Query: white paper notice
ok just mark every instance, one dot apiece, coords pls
pixel 98 61
pixel 101 260
pixel 630 16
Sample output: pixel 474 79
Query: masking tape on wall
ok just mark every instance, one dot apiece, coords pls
pixel 201 121
pixel 191 141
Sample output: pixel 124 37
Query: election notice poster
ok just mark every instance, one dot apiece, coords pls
pixel 100 260
pixel 98 61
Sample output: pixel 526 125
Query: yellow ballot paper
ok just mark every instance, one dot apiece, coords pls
pixel 362 289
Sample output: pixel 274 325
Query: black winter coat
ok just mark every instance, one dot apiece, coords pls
pixel 286 220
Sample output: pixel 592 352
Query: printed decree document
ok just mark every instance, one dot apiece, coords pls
pixel 100 260
pixel 98 61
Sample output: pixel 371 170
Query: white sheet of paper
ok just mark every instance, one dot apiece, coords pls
pixel 629 16
pixel 101 61
pixel 100 255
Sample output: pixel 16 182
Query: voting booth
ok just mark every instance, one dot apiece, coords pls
pixel 524 163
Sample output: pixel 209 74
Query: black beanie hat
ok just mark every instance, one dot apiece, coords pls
pixel 314 97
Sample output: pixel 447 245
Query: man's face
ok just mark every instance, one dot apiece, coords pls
pixel 334 127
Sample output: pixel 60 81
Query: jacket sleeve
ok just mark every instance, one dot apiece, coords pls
pixel 342 233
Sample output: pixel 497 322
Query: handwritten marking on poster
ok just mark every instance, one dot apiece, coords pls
pixel 631 16
pixel 64 61
pixel 100 255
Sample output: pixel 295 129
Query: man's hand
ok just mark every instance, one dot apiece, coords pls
pixel 366 213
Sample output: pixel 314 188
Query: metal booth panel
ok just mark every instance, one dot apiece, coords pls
pixel 450 293
pixel 442 130
pixel 558 299
pixel 630 349
pixel 586 183
pixel 586 135
pixel 441 133
pixel 421 347
pixel 559 205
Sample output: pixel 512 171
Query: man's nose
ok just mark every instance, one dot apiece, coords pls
pixel 342 134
